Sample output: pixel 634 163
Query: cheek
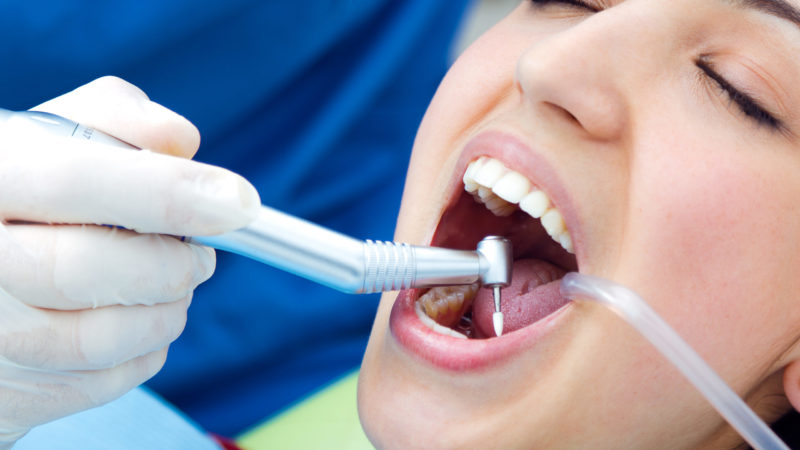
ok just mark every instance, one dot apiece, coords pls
pixel 478 80
pixel 713 245
pixel 709 211
pixel 476 89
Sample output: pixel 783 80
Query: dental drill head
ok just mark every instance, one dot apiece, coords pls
pixel 496 261
pixel 497 257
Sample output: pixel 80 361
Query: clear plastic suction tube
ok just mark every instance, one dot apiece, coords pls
pixel 636 312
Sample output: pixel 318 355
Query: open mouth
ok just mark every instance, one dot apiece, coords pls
pixel 499 201
pixel 452 326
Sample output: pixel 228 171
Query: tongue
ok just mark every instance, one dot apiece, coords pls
pixel 532 295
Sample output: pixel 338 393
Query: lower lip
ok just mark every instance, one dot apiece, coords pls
pixel 450 353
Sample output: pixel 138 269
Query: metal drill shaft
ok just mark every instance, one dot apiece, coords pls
pixel 323 255
pixel 354 266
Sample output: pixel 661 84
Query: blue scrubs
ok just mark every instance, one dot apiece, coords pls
pixel 315 102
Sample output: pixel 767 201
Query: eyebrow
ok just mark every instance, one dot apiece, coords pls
pixel 778 8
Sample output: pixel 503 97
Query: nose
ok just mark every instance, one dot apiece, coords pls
pixel 579 76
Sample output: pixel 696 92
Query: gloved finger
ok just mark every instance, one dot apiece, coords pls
pixel 122 110
pixel 48 396
pixel 83 266
pixel 109 384
pixel 63 180
pixel 90 339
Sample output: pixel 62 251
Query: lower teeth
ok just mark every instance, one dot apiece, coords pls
pixel 443 307
pixel 446 304
pixel 435 326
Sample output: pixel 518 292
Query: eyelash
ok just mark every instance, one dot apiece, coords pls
pixel 745 103
pixel 573 3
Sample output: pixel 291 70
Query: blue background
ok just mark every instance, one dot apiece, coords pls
pixel 315 102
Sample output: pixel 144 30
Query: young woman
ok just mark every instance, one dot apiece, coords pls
pixel 653 143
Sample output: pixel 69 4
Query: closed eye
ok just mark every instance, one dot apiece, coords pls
pixel 744 102
pixel 568 3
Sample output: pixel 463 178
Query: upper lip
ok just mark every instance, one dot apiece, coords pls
pixel 456 354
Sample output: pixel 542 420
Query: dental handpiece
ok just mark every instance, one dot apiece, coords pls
pixel 361 267
pixel 326 256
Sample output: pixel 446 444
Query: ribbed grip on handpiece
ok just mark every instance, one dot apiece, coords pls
pixel 388 266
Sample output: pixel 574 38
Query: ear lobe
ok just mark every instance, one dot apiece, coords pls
pixel 791 383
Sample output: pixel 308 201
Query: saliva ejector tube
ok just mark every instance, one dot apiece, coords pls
pixel 631 307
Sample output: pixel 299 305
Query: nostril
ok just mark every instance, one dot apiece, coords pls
pixel 563 112
pixel 604 120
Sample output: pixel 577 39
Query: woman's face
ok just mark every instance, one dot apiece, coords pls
pixel 665 133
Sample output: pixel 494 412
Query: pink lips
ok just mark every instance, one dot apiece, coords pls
pixel 456 354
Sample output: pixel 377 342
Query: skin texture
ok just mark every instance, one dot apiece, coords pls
pixel 670 190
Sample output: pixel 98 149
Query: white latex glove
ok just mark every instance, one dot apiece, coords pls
pixel 86 311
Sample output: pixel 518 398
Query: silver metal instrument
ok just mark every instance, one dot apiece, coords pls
pixel 361 267
pixel 325 256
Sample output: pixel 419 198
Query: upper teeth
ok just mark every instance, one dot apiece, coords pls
pixel 503 191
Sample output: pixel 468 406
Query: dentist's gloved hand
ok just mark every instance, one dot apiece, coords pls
pixel 87 311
